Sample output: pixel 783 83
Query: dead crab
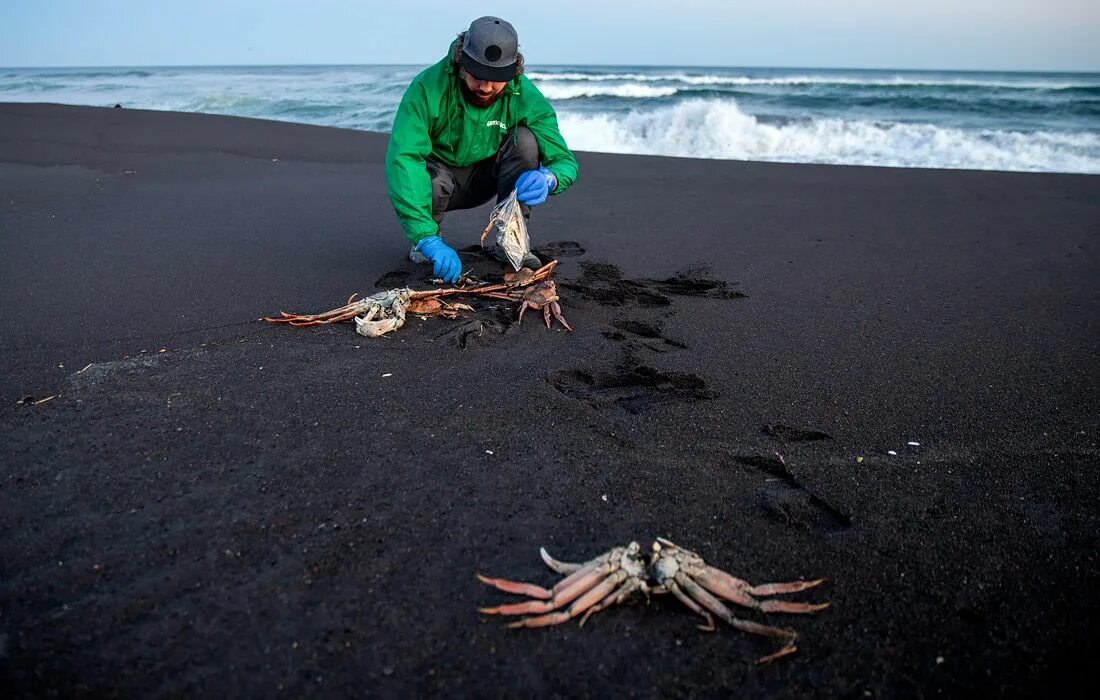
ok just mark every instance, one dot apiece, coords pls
pixel 384 312
pixel 701 586
pixel 615 575
pixel 543 295
pixel 539 292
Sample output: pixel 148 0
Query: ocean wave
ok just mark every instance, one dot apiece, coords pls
pixel 809 80
pixel 77 74
pixel 910 119
pixel 719 129
pixel 223 103
pixel 571 92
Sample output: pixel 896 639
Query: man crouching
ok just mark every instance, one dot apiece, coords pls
pixel 471 127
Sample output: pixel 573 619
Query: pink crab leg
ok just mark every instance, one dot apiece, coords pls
pixel 785 651
pixel 527 589
pixel 583 603
pixel 764 589
pixel 304 321
pixel 790 587
pixel 544 271
pixel 567 590
pixel 291 320
pixel 534 591
pixel 715 606
pixel 721 586
pixel 326 318
pixel 561 567
pixel 557 314
pixel 346 308
pixel 341 314
pixel 744 625
pixel 523 308
pixel 784 606
pixel 590 572
pixel 614 598
pixel 695 607
pixel 546 314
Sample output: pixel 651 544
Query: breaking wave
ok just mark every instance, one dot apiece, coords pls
pixel 808 80
pixel 719 129
pixel 570 92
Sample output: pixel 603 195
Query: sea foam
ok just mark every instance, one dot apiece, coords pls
pixel 702 128
pixel 825 79
pixel 555 91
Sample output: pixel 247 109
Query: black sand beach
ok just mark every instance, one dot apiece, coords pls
pixel 213 505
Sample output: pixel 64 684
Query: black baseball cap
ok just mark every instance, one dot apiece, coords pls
pixel 490 50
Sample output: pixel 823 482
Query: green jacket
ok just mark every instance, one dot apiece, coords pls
pixel 434 120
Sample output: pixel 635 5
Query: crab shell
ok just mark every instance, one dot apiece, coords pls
pixel 540 294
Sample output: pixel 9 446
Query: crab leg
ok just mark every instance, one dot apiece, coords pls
pixel 764 589
pixel 790 587
pixel 557 314
pixel 614 598
pixel 561 567
pixel 566 591
pixel 715 606
pixel 305 321
pixel 737 591
pixel 522 308
pixel 518 587
pixel 786 650
pixel 544 271
pixel 586 601
pixel 684 598
pixel 343 313
pixel 539 274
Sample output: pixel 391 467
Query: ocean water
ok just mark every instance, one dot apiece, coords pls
pixel 1048 122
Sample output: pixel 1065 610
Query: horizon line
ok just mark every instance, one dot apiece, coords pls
pixel 1032 71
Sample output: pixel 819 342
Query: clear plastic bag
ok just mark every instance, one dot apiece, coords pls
pixel 511 231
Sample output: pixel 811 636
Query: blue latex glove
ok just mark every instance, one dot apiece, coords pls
pixel 533 186
pixel 444 258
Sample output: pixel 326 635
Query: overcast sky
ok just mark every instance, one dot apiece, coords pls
pixel 1041 35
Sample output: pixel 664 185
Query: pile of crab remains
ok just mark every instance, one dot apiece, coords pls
pixel 384 312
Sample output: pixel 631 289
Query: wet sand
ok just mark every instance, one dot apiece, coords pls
pixel 211 504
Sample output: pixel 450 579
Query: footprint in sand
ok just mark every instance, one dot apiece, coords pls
pixel 639 333
pixel 632 388
pixel 786 500
pixel 556 250
pixel 604 284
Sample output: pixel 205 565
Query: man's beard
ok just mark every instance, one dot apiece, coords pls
pixel 476 99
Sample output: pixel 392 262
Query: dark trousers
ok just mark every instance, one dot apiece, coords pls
pixel 474 185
